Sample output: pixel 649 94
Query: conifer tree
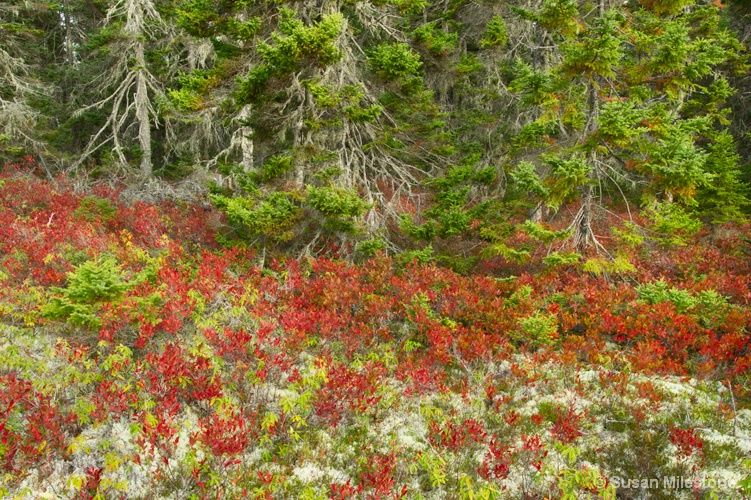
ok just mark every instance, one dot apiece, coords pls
pixel 20 51
pixel 129 87
pixel 633 107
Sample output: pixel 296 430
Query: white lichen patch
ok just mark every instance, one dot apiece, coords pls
pixel 408 430
pixel 312 473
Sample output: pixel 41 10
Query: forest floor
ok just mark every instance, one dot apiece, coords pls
pixel 139 359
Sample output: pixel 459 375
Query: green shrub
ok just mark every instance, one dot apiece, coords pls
pixel 295 44
pixel 394 60
pixel 358 113
pixel 468 63
pixel 495 33
pixel 600 265
pixel 423 256
pixel 556 259
pixel 92 208
pixel 369 248
pixel 339 207
pixel 660 292
pixel 336 202
pixel 673 224
pixel 410 6
pixel 274 216
pixel 436 41
pixel 707 304
pixel 276 166
pixel 539 329
pixel 100 280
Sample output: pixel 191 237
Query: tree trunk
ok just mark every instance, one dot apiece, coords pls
pixel 246 141
pixel 583 237
pixel 142 113
pixel 69 50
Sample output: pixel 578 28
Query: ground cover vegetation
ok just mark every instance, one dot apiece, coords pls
pixel 374 249
pixel 141 359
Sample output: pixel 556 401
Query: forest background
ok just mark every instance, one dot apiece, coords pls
pixel 434 128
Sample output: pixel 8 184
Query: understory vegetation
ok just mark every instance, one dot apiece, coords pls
pixel 140 359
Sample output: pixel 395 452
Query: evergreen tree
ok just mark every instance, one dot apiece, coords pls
pixel 22 54
pixel 132 29
pixel 634 103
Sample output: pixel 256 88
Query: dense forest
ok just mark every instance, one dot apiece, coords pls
pixel 406 125
pixel 379 249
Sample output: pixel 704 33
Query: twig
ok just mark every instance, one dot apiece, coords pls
pixel 732 399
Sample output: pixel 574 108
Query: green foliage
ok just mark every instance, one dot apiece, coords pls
pixel 369 248
pixel 243 30
pixel 495 33
pixel 534 86
pixel 672 224
pixel 619 122
pixel 533 134
pixel 194 87
pixel 348 99
pixel 422 256
pixel 660 291
pixel 600 265
pixel 337 205
pixel 630 235
pixel 458 263
pixel 539 329
pixel 634 105
pixel 453 212
pixel 745 483
pixel 425 232
pixel 469 63
pixel 560 16
pixel 100 280
pixel 410 6
pixel 336 202
pixel 394 61
pixel 678 148
pixel 325 96
pixel 438 42
pixel 508 253
pixel 723 198
pixel 709 302
pixel 567 174
pixel 298 42
pixel 546 236
pixel 556 259
pixel 273 217
pixel 358 113
pixel 198 17
pixel 250 87
pixel 294 44
pixel 526 179
pixel 95 280
pixel 275 166
pixel 598 51
pixel 92 208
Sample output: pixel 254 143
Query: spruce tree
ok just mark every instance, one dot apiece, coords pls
pixel 634 107
pixel 127 87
